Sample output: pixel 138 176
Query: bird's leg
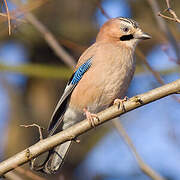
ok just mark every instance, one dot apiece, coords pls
pixel 90 116
pixel 120 103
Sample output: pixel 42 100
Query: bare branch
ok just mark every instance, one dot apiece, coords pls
pixel 163 27
pixel 84 126
pixel 172 12
pixel 175 18
pixel 143 166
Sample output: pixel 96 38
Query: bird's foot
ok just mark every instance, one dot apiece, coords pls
pixel 90 117
pixel 120 103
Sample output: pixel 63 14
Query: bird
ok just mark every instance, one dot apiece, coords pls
pixel 101 77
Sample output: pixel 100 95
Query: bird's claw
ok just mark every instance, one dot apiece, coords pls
pixel 120 103
pixel 90 116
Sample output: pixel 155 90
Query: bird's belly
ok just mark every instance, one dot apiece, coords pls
pixel 114 85
pixel 72 116
pixel 114 88
pixel 100 86
pixel 100 92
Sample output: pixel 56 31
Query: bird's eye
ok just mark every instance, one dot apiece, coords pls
pixel 126 29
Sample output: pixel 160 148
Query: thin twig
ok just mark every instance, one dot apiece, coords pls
pixel 40 137
pixel 172 12
pixel 84 126
pixel 102 10
pixel 143 166
pixel 164 28
pixel 50 39
pixel 8 17
pixel 169 18
pixel 72 45
pixel 35 125
pixel 14 14
pixel 168 4
pixel 165 49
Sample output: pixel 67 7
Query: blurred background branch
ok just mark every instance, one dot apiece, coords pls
pixel 12 176
pixel 50 39
pixel 143 166
pixel 164 28
pixel 39 70
pixel 170 10
pixel 8 17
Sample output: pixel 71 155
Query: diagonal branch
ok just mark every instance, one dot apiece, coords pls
pixel 84 126
pixel 156 74
pixel 102 10
pixel 144 167
pixel 49 38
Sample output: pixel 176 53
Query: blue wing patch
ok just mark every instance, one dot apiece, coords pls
pixel 57 116
pixel 81 70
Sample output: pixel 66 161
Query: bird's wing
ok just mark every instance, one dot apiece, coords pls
pixel 59 111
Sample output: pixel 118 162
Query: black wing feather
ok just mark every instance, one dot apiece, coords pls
pixel 60 109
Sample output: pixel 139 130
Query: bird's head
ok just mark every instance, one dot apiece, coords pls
pixel 123 31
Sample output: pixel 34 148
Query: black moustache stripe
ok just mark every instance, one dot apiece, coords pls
pixel 126 37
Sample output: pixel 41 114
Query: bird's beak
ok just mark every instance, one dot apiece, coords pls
pixel 142 35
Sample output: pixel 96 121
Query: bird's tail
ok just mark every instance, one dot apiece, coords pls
pixel 56 158
pixel 49 162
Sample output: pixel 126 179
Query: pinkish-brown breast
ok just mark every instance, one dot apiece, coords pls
pixel 107 79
